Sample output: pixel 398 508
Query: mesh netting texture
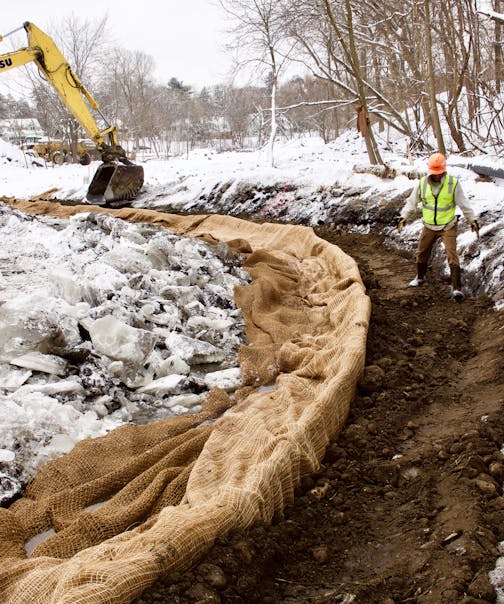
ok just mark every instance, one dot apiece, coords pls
pixel 168 489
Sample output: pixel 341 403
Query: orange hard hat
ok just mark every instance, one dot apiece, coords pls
pixel 437 163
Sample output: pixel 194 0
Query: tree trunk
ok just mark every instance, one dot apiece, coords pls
pixel 274 125
pixel 499 5
pixel 353 57
pixel 436 125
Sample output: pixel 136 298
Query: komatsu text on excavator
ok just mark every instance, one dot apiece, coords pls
pixel 117 178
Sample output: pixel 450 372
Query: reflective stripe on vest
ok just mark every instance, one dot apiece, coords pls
pixel 440 209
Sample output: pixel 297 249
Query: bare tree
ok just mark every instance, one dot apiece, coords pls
pixel 431 79
pixel 498 44
pixel 81 42
pixel 128 93
pixel 261 38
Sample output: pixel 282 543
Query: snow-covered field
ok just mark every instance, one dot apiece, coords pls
pixel 104 322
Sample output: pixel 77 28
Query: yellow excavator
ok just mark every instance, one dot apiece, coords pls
pixel 117 178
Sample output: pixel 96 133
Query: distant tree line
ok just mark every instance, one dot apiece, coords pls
pixel 389 65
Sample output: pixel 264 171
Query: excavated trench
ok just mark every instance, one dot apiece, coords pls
pixel 407 505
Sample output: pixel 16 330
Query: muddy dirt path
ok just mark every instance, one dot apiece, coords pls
pixel 407 506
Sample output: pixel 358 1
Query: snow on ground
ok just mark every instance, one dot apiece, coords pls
pixel 103 322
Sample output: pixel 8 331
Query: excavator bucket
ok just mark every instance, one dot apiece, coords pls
pixel 115 182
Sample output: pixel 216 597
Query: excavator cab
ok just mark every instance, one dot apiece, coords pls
pixel 117 178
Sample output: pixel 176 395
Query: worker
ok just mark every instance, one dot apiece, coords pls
pixel 440 194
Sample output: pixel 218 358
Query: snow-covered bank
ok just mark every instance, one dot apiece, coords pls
pixel 312 183
pixel 168 301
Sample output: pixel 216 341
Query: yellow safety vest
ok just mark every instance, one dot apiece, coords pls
pixel 440 209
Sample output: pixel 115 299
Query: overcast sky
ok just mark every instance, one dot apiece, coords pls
pixel 185 37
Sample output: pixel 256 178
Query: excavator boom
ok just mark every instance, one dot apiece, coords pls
pixel 112 181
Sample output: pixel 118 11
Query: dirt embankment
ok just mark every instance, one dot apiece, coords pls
pixel 407 506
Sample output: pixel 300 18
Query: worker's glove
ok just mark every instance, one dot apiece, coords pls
pixel 475 227
pixel 401 224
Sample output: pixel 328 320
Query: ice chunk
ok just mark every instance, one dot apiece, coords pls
pixel 180 294
pixel 62 443
pixel 173 364
pixel 165 385
pixel 47 363
pixel 11 379
pixel 188 401
pixel 197 323
pixel 193 351
pixel 53 387
pixel 6 456
pixel 227 379
pixel 28 323
pixel 126 259
pixel 120 341
pixel 65 283
pixel 151 312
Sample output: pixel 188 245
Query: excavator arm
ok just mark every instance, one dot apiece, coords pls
pixel 112 182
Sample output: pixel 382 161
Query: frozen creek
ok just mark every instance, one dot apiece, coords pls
pixel 102 323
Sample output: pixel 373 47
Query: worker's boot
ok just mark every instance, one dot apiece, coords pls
pixel 421 271
pixel 456 287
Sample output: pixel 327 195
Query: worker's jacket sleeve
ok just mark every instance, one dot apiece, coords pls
pixel 463 203
pixel 411 205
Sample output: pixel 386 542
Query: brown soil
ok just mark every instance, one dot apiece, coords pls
pixel 408 505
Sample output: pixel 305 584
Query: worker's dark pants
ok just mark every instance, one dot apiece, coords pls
pixel 429 237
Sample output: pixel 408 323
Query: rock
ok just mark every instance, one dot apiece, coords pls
pixel 355 434
pixel 319 492
pixel 202 593
pixel 245 551
pixel 496 470
pixel 213 575
pixel 337 517
pixel 481 587
pixel 486 487
pixel 372 379
pixel 320 554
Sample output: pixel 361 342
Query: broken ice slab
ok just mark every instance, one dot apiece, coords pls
pixel 227 379
pixel 198 323
pixel 12 379
pixel 170 384
pixel 188 400
pixel 194 352
pixel 52 388
pixel 120 341
pixel 66 285
pixel 46 363
pixel 127 259
pixel 173 364
pixel 62 443
pixel 6 456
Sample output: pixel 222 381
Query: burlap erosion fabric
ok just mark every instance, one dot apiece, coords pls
pixel 168 489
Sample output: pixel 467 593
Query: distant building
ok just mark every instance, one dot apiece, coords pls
pixel 24 132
